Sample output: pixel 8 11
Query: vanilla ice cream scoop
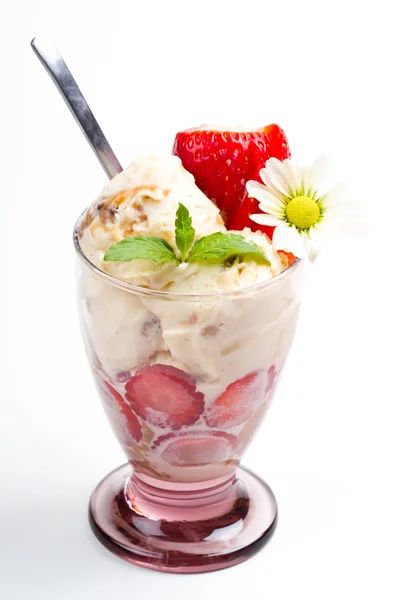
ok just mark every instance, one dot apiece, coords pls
pixel 143 200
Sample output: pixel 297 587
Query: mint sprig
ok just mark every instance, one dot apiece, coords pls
pixel 214 248
pixel 220 247
pixel 141 247
pixel 184 231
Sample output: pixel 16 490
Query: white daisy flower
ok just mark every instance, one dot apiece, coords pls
pixel 302 216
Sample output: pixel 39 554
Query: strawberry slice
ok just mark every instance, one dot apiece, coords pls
pixel 196 448
pixel 222 161
pixel 132 423
pixel 238 402
pixel 164 396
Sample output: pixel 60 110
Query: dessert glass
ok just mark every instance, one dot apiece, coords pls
pixel 185 381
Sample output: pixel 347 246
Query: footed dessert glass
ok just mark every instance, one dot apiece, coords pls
pixel 185 381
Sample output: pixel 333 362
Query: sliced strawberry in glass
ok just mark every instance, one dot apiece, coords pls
pixel 196 448
pixel 131 421
pixel 165 396
pixel 238 402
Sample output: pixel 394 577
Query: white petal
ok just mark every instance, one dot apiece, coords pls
pixel 292 176
pixel 350 207
pixel 263 219
pixel 332 196
pixel 274 176
pixel 277 174
pixel 305 177
pixel 319 170
pixel 324 231
pixel 261 193
pixel 312 251
pixel 353 224
pixel 312 175
pixel 349 216
pixel 271 210
pixel 253 186
pixel 272 189
pixel 289 239
pixel 313 244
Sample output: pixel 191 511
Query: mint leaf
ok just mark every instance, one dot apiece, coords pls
pixel 223 246
pixel 144 247
pixel 184 231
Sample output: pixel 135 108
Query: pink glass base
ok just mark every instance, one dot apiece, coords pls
pixel 183 527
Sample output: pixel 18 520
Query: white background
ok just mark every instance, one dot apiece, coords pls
pixel 328 73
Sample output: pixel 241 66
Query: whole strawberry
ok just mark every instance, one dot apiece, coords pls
pixel 222 161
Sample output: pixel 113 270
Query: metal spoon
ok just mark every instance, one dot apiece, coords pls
pixel 54 64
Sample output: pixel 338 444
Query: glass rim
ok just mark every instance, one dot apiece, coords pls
pixel 201 296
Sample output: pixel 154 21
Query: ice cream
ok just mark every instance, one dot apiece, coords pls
pixel 201 365
pixel 143 200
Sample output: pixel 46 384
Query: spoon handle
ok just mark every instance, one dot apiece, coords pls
pixel 54 64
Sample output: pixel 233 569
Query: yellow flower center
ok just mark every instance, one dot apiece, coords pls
pixel 303 212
